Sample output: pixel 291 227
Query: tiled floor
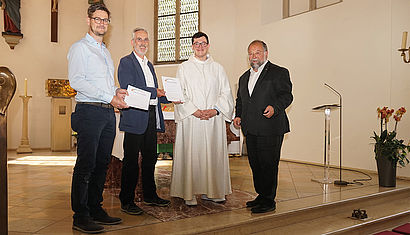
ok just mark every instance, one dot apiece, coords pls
pixel 39 195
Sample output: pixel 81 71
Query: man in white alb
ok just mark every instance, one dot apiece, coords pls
pixel 201 164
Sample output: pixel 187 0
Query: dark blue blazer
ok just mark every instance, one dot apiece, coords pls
pixel 134 120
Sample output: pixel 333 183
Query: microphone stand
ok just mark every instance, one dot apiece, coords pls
pixel 339 182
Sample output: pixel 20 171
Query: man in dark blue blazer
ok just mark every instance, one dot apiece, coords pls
pixel 140 126
pixel 264 92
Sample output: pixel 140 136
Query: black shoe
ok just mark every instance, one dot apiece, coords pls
pixel 86 225
pixel 131 209
pixel 100 216
pixel 254 202
pixel 156 201
pixel 263 208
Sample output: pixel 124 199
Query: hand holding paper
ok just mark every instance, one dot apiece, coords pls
pixel 137 98
pixel 172 89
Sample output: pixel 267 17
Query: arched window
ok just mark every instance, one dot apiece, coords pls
pixel 175 23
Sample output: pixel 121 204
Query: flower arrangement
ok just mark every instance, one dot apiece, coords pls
pixel 387 145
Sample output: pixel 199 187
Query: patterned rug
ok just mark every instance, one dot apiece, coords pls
pixel 178 210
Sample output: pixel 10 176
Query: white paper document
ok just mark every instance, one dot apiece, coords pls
pixel 137 98
pixel 172 89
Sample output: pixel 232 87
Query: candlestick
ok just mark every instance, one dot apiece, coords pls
pixel 404 41
pixel 24 146
pixel 25 87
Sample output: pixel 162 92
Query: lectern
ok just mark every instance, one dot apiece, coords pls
pixel 327 108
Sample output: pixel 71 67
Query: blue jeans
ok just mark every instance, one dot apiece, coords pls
pixel 96 132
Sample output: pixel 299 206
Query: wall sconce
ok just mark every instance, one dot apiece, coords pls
pixel 404 48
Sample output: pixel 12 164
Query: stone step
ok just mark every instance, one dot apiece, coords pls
pixel 377 225
pixel 328 218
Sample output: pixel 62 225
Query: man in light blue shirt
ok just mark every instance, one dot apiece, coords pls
pixel 91 74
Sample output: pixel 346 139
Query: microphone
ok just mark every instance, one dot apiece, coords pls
pixel 339 182
pixel 334 90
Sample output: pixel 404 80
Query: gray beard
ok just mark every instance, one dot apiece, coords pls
pixel 139 52
pixel 256 66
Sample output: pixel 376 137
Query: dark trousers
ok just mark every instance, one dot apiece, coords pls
pixel 263 156
pixel 96 132
pixel 133 144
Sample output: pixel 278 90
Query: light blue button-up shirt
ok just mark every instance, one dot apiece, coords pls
pixel 91 71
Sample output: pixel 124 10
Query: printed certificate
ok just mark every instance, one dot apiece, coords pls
pixel 137 98
pixel 172 89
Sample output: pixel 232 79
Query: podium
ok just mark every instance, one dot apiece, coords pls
pixel 327 108
pixel 61 134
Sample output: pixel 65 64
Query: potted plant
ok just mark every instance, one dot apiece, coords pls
pixel 389 151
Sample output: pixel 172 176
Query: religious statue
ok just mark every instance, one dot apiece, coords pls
pixel 12 16
pixel 7 88
pixel 54 6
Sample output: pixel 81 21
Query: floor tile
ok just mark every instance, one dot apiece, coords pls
pixel 39 197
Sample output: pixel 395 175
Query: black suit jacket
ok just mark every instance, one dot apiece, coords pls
pixel 272 88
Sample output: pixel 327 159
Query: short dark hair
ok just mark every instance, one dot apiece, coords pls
pixel 95 7
pixel 198 35
pixel 265 47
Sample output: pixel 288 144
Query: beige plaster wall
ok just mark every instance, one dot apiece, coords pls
pixel 217 20
pixel 400 72
pixel 38 59
pixel 350 46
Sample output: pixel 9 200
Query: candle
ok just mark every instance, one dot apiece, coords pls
pixel 25 87
pixel 404 41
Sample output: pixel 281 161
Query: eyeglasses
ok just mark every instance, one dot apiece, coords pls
pixel 141 40
pixel 98 20
pixel 198 44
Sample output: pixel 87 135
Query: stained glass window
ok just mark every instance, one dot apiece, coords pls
pixel 176 22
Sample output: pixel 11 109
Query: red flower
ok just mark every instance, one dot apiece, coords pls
pixel 401 111
pixel 385 113
pixel 382 112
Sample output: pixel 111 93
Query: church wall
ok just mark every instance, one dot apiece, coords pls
pixel 400 72
pixel 38 59
pixel 217 20
pixel 351 46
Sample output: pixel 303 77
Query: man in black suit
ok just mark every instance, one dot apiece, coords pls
pixel 264 92
pixel 140 126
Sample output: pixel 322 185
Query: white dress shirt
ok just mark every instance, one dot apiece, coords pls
pixel 149 79
pixel 254 76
